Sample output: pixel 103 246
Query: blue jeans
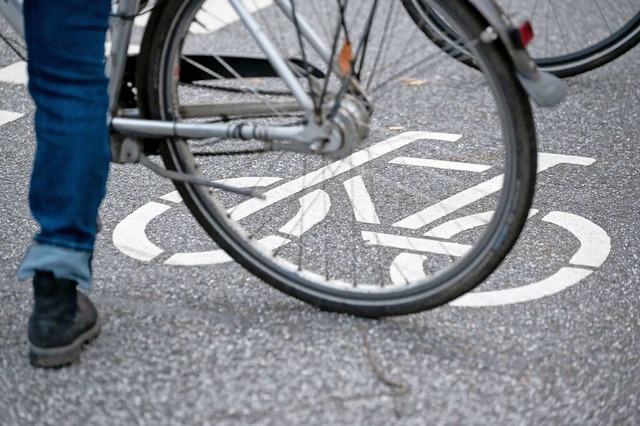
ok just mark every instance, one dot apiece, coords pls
pixel 65 43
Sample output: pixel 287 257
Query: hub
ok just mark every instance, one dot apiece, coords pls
pixel 348 127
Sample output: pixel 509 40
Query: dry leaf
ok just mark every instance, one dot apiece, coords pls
pixel 345 58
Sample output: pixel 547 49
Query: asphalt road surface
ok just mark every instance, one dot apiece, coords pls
pixel 556 340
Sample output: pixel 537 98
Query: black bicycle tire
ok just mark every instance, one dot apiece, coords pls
pixel 153 66
pixel 567 65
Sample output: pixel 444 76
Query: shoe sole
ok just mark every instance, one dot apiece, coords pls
pixel 63 355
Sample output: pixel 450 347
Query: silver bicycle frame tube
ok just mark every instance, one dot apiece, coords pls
pixel 12 10
pixel 276 60
pixel 120 24
pixel 316 42
pixel 158 128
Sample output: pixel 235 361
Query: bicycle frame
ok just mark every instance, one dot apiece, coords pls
pixel 543 89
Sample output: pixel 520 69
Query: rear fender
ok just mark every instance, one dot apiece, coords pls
pixel 544 88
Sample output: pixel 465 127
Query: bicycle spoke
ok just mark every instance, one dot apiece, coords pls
pixel 397 127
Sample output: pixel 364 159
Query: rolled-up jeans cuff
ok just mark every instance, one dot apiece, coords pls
pixel 64 263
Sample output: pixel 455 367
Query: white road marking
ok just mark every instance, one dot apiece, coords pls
pixel 173 197
pixel 334 169
pixel 314 207
pixel 212 257
pixel 415 244
pixel 407 268
pixel 595 244
pixel 363 207
pixel 269 243
pixel 455 226
pixel 561 280
pixel 480 191
pixel 439 164
pixel 215 15
pixel 15 73
pixel 594 249
pixel 8 117
pixel 129 235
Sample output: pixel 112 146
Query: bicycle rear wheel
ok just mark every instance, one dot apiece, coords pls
pixel 572 36
pixel 424 211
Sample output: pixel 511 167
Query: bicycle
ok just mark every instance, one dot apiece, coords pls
pixel 293 103
pixel 572 37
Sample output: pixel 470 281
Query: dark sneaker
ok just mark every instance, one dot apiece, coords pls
pixel 63 320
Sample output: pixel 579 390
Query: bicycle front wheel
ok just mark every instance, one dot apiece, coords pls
pixel 424 209
pixel 571 36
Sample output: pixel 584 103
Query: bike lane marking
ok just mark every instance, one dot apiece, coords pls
pixel 594 242
pixel 363 207
pixel 314 208
pixel 561 280
pixel 480 191
pixel 439 164
pixel 8 117
pixel 595 246
pixel 333 170
pixel 453 227
pixel 15 73
pixel 215 15
pixel 130 236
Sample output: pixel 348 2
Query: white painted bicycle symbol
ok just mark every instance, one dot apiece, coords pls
pixel 130 234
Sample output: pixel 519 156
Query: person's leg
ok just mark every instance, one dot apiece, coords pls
pixel 65 44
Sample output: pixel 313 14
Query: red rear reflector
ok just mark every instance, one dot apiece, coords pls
pixel 526 33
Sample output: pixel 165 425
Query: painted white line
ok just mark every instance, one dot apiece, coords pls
pixel 595 244
pixel 8 117
pixel 334 169
pixel 415 244
pixel 173 197
pixel 547 160
pixel 561 280
pixel 453 227
pixel 15 73
pixel 363 207
pixel 407 268
pixel 451 204
pixel 314 207
pixel 215 15
pixel 439 164
pixel 269 243
pixel 213 257
pixel 129 235
pixel 480 191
